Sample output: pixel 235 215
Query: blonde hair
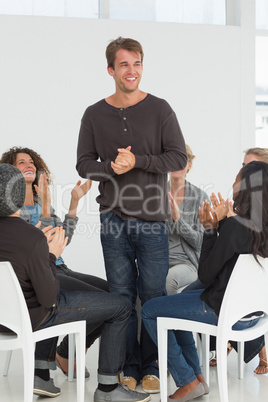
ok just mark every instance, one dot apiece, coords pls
pixel 190 154
pixel 262 153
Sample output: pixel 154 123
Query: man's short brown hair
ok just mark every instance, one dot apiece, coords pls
pixel 129 44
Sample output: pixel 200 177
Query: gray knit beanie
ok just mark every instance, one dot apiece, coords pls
pixel 12 189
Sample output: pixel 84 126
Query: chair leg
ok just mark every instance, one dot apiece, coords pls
pixel 28 368
pixel 71 355
pixel 162 357
pixel 240 357
pixel 199 347
pixel 80 340
pixel 222 368
pixel 205 356
pixel 7 363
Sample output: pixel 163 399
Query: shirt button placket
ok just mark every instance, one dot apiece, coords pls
pixel 124 124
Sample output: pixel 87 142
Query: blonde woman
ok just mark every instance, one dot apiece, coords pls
pixel 185 230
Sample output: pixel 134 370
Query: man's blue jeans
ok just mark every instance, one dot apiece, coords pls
pixel 97 308
pixel 136 262
pixel 183 362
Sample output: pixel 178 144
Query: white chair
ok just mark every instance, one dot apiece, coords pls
pixel 15 316
pixel 246 292
pixel 71 354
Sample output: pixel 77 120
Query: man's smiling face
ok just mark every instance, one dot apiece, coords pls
pixel 127 71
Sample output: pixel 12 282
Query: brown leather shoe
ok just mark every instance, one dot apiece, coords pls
pixel 150 384
pixel 130 382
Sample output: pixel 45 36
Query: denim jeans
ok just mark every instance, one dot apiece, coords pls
pixel 197 284
pixel 183 362
pixel 96 308
pixel 136 262
pixel 73 280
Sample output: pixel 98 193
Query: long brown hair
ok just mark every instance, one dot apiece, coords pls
pixel 251 204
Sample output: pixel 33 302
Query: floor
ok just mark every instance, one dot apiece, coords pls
pixel 253 388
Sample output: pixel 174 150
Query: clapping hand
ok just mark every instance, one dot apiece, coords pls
pixel 124 161
pixel 77 193
pixel 80 190
pixel 175 212
pixel 231 210
pixel 220 206
pixel 43 193
pixel 56 240
pixel 48 230
pixel 207 216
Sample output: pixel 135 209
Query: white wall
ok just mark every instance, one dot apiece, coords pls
pixel 53 68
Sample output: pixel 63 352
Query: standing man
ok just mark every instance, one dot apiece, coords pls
pixel 129 142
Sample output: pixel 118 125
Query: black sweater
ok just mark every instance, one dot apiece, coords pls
pixel 25 247
pixel 219 254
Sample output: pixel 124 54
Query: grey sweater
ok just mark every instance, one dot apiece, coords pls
pixel 189 228
pixel 69 223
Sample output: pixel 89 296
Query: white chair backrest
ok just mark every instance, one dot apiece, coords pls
pixel 247 290
pixel 13 309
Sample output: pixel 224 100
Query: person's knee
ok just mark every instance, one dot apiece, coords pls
pixel 147 309
pixel 124 305
pixel 171 285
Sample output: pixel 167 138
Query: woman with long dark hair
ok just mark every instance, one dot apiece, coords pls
pixel 223 242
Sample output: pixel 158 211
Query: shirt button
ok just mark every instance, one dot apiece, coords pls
pixel 124 118
pixel 125 129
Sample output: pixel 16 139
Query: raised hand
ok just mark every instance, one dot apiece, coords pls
pixel 43 193
pixel 207 216
pixel 231 210
pixel 80 190
pixel 175 212
pixel 77 193
pixel 220 206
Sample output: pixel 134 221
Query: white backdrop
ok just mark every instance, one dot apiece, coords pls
pixel 53 68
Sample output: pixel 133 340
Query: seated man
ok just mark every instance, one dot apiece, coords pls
pixel 33 259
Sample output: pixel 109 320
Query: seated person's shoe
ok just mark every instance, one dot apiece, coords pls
pixel 195 393
pixel 120 394
pixel 45 388
pixel 66 373
pixel 130 382
pixel 150 384
pixel 206 387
